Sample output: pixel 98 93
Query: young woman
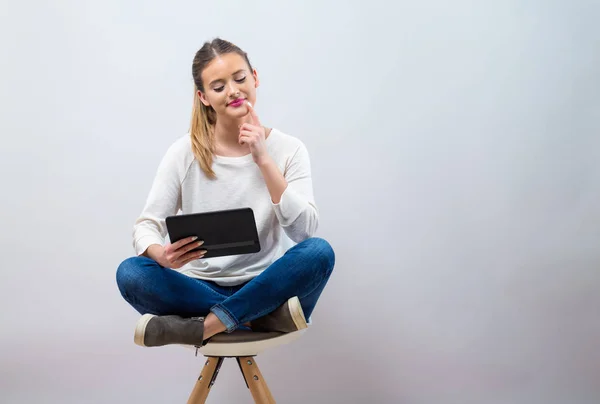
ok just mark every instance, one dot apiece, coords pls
pixel 228 160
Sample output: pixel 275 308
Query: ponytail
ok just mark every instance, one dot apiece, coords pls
pixel 202 134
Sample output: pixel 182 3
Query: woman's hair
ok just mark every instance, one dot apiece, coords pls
pixel 203 117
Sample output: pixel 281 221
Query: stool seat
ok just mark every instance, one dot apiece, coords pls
pixel 243 343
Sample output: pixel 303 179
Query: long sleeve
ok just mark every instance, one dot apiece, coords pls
pixel 163 200
pixel 297 211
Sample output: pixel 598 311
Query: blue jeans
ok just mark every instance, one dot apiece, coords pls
pixel 302 271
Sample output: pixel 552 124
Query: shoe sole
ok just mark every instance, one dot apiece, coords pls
pixel 297 313
pixel 140 329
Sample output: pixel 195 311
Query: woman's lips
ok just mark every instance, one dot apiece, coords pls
pixel 236 103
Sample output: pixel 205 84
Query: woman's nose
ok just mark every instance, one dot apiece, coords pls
pixel 233 90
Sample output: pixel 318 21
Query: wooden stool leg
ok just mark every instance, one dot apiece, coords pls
pixel 255 381
pixel 205 381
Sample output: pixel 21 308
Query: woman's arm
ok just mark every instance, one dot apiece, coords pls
pixel 291 192
pixel 163 200
pixel 293 202
pixel 276 183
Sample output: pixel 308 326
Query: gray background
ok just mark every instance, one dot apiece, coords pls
pixel 455 150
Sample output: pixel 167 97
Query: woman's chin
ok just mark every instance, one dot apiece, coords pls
pixel 236 113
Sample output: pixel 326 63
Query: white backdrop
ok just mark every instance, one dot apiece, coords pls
pixel 455 150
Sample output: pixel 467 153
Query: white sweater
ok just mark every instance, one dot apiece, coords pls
pixel 180 186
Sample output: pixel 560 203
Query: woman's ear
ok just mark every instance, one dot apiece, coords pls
pixel 203 99
pixel 256 81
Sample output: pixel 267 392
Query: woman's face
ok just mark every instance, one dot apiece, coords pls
pixel 228 84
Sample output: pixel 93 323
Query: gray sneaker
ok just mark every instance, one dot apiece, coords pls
pixel 288 317
pixel 154 330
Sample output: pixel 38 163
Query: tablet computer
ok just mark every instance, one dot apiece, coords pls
pixel 224 232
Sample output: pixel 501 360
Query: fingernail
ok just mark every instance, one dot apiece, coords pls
pixel 194 238
pixel 200 242
pixel 249 103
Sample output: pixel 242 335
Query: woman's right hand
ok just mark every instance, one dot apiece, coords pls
pixel 177 254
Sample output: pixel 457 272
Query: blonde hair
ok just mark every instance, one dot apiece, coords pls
pixel 202 134
pixel 204 118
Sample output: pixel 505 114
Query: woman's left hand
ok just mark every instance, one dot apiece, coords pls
pixel 253 135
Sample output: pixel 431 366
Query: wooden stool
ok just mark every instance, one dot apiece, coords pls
pixel 242 345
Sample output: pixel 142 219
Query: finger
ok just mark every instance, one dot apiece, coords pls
pixel 176 254
pixel 245 139
pixel 180 243
pixel 191 257
pixel 190 246
pixel 253 115
pixel 194 255
pixel 247 133
pixel 249 127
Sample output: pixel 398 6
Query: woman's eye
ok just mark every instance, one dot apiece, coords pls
pixel 219 89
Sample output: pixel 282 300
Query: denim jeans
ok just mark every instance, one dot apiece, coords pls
pixel 302 271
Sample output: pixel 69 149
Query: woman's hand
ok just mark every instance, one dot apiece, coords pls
pixel 177 254
pixel 253 135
